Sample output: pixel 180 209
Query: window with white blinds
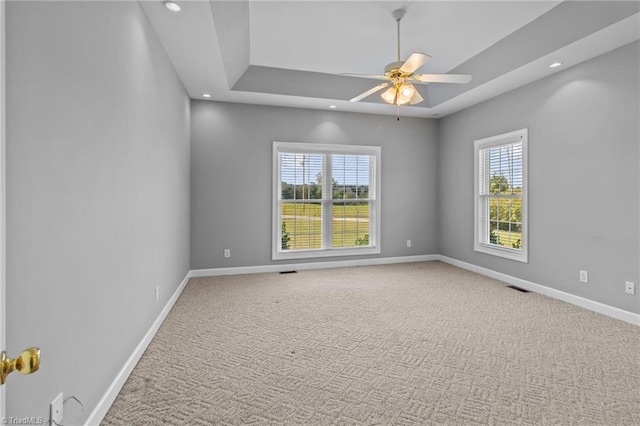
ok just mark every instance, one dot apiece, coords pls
pixel 326 200
pixel 501 195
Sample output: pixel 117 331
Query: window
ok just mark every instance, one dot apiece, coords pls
pixel 326 200
pixel 501 195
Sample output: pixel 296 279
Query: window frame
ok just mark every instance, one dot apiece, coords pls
pixel 374 199
pixel 481 219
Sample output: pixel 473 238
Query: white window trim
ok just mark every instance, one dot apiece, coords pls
pixel 521 255
pixel 276 250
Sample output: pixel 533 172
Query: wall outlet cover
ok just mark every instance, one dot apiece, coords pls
pixel 630 287
pixel 584 276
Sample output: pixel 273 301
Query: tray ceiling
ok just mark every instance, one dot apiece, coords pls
pixel 290 53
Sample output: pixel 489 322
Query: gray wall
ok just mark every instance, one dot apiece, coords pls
pixel 583 177
pixel 231 177
pixel 98 154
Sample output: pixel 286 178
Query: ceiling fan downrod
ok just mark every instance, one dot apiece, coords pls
pixel 397 15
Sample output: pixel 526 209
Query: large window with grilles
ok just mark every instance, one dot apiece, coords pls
pixel 326 200
pixel 501 195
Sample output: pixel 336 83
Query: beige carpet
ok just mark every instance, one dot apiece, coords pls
pixel 422 343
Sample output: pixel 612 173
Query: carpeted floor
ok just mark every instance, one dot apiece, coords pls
pixel 422 343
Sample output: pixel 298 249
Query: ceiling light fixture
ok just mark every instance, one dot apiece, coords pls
pixel 172 6
pixel 555 65
pixel 402 93
pixel 332 106
pixel 389 95
pixel 206 95
pixel 407 90
pixel 405 93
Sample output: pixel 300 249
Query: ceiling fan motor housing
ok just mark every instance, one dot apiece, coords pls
pixel 393 66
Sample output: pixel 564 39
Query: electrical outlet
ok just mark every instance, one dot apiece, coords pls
pixel 227 253
pixel 630 287
pixel 584 276
pixel 157 293
pixel 56 410
pixel 408 243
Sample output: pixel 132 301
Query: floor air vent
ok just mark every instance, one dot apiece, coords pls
pixel 522 290
pixel 288 272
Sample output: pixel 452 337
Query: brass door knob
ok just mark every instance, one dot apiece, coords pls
pixel 26 363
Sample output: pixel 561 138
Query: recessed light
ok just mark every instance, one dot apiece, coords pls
pixel 206 95
pixel 555 65
pixel 172 6
pixel 332 106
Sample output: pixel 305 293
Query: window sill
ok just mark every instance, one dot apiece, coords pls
pixel 317 253
pixel 507 253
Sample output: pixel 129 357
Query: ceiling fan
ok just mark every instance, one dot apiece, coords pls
pixel 400 76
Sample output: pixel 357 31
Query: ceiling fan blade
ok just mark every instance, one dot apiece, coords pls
pixel 415 61
pixel 369 92
pixel 442 78
pixel 372 76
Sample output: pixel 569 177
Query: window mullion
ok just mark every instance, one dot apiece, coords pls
pixel 327 205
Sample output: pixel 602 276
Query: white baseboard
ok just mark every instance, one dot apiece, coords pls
pixel 601 308
pixel 310 265
pixel 110 395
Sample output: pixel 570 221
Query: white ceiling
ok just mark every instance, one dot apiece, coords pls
pixel 360 37
pixel 289 53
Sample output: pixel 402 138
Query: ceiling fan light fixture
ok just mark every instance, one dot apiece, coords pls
pixel 405 93
pixel 416 98
pixel 389 95
pixel 407 90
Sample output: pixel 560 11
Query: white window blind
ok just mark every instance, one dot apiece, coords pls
pixel 500 212
pixel 326 200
